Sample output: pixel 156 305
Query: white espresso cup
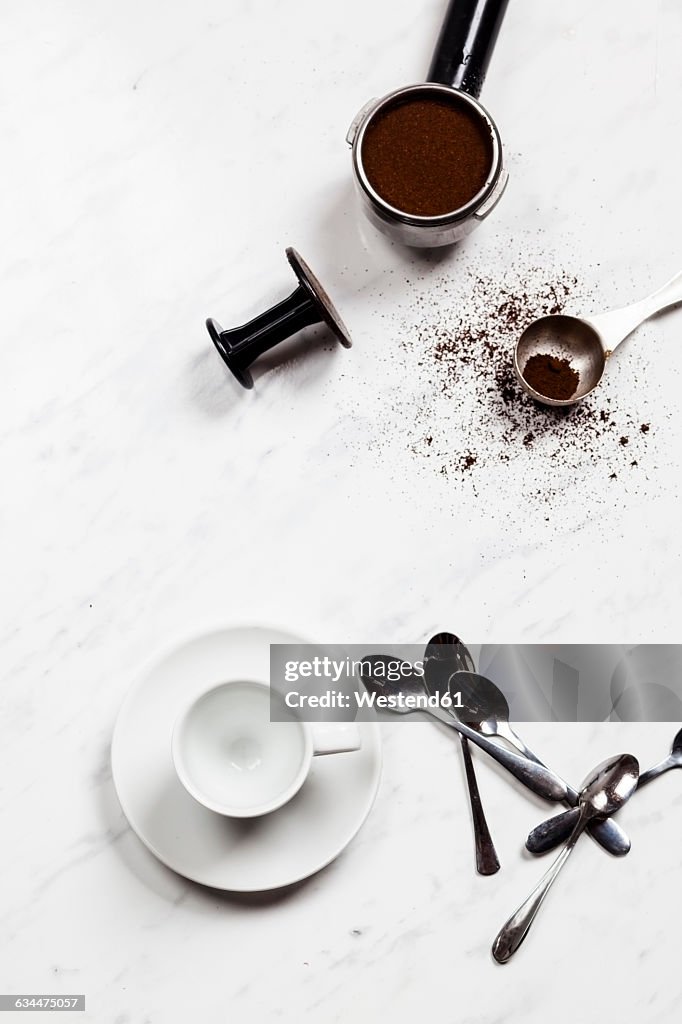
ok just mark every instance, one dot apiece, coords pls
pixel 233 759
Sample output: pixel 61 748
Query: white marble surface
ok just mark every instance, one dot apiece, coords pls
pixel 157 158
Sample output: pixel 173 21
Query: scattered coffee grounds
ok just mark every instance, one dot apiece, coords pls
pixel 552 377
pixel 427 157
pixel 451 399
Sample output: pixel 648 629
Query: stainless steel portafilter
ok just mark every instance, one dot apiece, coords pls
pixel 433 151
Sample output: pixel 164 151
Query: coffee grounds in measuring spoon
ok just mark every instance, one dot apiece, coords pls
pixel 551 376
pixel 427 157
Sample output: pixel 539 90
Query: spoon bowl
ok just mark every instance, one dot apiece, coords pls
pixel 449 648
pixel 676 751
pixel 609 786
pixel 378 680
pixel 564 337
pixel 483 706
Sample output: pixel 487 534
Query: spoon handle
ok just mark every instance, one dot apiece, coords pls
pixel 487 862
pixel 618 324
pixel 534 776
pixel 658 769
pixel 515 930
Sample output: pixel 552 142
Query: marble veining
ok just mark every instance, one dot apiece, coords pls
pixel 157 159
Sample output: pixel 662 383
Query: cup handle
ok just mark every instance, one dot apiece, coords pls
pixel 335 737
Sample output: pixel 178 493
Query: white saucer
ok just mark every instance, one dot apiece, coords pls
pixel 241 855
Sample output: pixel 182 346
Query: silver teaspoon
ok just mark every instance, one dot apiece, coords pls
pixel 552 832
pixel 446 654
pixel 536 778
pixel 484 708
pixel 605 790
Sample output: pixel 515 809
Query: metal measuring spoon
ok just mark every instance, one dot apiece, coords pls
pixel 552 832
pixel 485 709
pixel 411 689
pixel 587 342
pixel 445 653
pixel 605 790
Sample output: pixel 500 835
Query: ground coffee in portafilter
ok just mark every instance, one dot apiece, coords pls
pixel 552 377
pixel 427 157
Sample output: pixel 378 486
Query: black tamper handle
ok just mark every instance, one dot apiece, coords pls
pixel 308 304
pixel 465 44
pixel 241 346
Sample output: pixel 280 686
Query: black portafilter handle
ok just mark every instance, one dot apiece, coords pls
pixel 466 43
pixel 308 304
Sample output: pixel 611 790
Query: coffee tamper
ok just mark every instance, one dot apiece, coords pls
pixel 308 304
